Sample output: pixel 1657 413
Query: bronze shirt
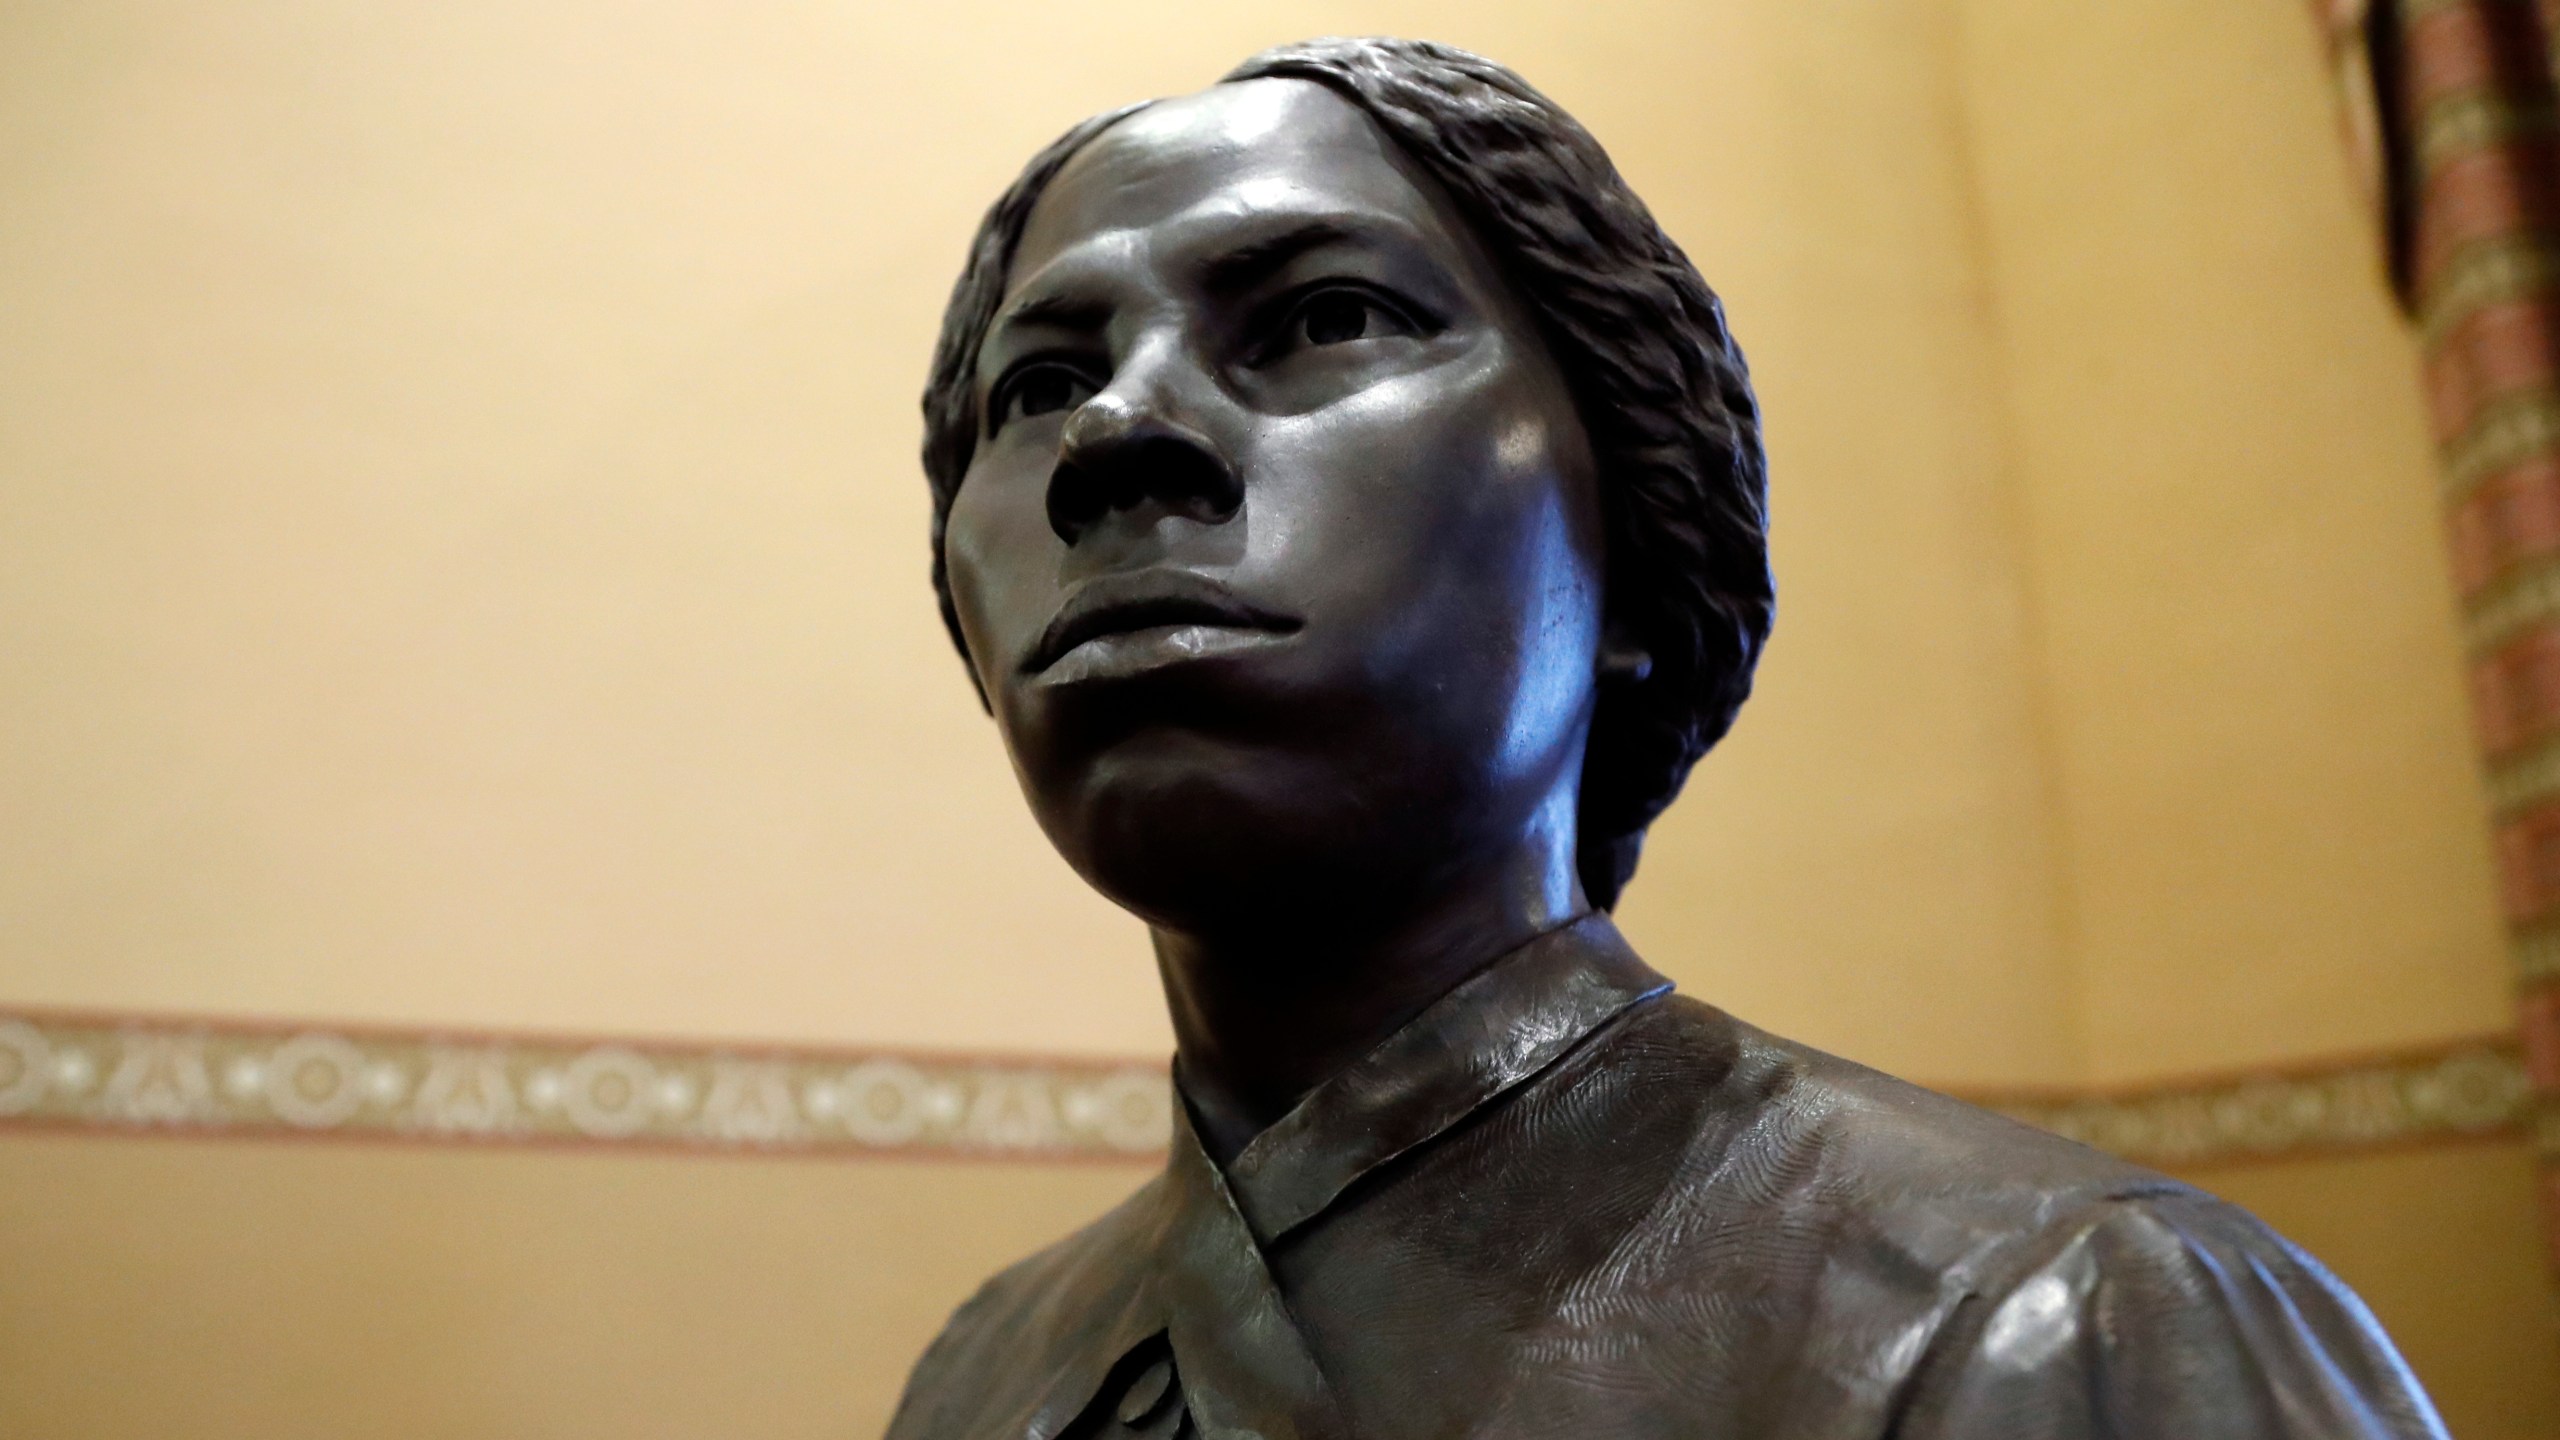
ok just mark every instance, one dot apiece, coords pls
pixel 1565 1201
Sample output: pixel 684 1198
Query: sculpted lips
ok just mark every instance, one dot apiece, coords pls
pixel 1147 600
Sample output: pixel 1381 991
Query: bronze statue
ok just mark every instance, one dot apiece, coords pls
pixel 1350 506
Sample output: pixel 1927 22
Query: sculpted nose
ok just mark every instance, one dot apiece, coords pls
pixel 1121 456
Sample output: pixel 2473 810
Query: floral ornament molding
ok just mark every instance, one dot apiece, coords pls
pixel 2461 1090
pixel 176 1076
pixel 126 1074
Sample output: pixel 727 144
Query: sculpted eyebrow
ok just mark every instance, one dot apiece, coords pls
pixel 1239 268
pixel 1255 260
pixel 1057 312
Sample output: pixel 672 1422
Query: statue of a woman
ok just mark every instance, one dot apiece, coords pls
pixel 1350 506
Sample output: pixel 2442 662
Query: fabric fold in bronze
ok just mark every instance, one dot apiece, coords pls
pixel 1491 1033
pixel 1246 1370
pixel 1561 1201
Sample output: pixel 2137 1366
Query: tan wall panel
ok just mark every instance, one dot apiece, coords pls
pixel 2274 841
pixel 2443 1243
pixel 246 1291
pixel 461 546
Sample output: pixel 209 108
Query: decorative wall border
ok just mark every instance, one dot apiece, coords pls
pixel 2471 1089
pixel 192 1076
pixel 142 1074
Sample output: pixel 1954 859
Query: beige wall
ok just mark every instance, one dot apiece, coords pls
pixel 461 536
pixel 206 1290
pixel 463 545
pixel 2271 835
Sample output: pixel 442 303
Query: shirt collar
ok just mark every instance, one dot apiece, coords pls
pixel 1197 1252
pixel 1506 1023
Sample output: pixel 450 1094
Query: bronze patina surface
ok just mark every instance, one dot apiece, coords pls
pixel 1565 1202
pixel 1351 507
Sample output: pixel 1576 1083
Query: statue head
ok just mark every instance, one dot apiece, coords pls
pixel 1339 478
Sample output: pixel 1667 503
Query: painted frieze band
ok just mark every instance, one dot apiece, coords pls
pixel 179 1077
pixel 2467 1090
pixel 121 1074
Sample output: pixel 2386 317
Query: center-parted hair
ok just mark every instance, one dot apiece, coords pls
pixel 1656 378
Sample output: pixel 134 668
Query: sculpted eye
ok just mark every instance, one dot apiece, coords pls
pixel 1041 390
pixel 1335 317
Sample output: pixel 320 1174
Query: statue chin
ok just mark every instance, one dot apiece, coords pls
pixel 1211 840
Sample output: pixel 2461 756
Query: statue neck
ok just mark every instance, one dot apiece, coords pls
pixel 1259 1020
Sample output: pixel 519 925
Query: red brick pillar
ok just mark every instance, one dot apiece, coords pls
pixel 2465 145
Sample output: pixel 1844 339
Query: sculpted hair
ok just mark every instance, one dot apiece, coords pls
pixel 1657 379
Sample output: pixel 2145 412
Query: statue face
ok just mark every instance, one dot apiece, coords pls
pixel 1280 554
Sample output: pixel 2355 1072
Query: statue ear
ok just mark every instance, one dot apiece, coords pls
pixel 1622 660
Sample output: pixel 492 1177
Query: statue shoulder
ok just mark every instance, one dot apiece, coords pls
pixel 2170 1313
pixel 2045 1288
pixel 1926 1197
pixel 1023 1322
pixel 1866 1133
